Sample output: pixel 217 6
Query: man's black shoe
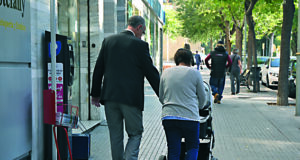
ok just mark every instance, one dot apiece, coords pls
pixel 232 93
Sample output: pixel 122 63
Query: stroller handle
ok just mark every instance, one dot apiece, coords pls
pixel 207 105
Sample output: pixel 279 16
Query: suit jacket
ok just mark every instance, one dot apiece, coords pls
pixel 123 63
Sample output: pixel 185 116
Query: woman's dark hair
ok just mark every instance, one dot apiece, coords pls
pixel 185 56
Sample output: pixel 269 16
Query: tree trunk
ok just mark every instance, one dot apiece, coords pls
pixel 283 89
pixel 211 45
pixel 239 39
pixel 227 37
pixel 250 47
pixel 294 42
pixel 249 5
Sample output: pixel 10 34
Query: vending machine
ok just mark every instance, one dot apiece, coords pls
pixel 64 81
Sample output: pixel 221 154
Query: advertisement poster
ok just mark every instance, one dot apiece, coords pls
pixel 59 84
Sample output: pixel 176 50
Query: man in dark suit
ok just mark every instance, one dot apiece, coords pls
pixel 123 63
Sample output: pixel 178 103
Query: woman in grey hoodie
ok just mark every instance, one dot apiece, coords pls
pixel 182 94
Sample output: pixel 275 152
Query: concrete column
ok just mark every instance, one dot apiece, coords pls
pixel 96 38
pixel 83 61
pixel 109 17
pixel 121 15
pixel 105 20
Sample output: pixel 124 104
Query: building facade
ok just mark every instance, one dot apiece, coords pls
pixel 86 23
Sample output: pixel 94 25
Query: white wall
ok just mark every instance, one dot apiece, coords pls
pixel 40 21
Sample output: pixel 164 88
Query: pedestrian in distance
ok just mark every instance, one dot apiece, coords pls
pixel 235 71
pixel 198 60
pixel 220 60
pixel 187 46
pixel 182 94
pixel 123 63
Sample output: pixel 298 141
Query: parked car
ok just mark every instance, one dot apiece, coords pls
pixel 270 72
pixel 261 60
pixel 292 78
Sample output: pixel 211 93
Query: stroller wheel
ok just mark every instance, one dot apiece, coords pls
pixel 162 157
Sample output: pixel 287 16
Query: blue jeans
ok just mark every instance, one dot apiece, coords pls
pixel 177 129
pixel 198 64
pixel 217 86
pixel 116 115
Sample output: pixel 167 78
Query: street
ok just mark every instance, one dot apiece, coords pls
pixel 245 127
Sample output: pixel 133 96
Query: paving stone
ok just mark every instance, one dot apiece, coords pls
pixel 245 127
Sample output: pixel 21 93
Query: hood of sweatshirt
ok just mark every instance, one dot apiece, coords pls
pixel 220 49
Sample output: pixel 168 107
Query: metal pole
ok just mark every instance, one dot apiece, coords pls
pixel 298 82
pixel 167 47
pixel 53 64
pixel 89 57
pixel 298 67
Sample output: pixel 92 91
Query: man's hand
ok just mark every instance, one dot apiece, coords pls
pixel 96 101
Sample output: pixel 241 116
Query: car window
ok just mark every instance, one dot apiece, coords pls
pixel 293 67
pixel 262 60
pixel 275 62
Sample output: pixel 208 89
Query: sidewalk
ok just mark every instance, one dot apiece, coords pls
pixel 246 128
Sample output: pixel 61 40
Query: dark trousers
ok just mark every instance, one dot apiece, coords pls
pixel 177 129
pixel 217 86
pixel 235 76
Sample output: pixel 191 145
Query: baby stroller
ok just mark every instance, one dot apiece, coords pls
pixel 206 136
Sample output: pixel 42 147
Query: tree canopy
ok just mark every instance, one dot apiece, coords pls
pixel 212 20
pixel 203 20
